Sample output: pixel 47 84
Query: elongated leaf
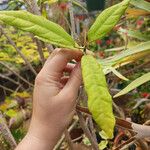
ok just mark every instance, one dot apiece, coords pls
pixel 141 4
pixel 39 26
pixel 134 13
pixel 115 49
pixel 128 55
pixel 107 20
pixel 118 74
pixel 139 81
pixel 99 99
pixel 135 34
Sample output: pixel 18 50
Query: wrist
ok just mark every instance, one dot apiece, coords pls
pixel 40 136
pixel 48 134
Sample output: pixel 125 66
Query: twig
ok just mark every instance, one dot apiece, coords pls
pixel 120 112
pixel 7 89
pixel 87 131
pixel 92 128
pixel 17 74
pixel 49 48
pixel 63 136
pixel 73 28
pixel 19 52
pixel 142 131
pixel 35 8
pixel 39 48
pixel 27 2
pixel 6 132
pixel 67 22
pixel 6 77
pixel 140 101
pixel 136 68
pixel 68 138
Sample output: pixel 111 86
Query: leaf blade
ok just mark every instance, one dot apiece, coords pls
pixel 134 84
pixel 39 26
pixel 118 74
pixel 107 20
pixel 124 56
pixel 99 99
pixel 141 4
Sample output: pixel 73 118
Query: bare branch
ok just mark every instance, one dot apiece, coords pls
pixel 87 131
pixel 63 136
pixel 7 89
pixel 6 132
pixel 68 138
pixel 73 28
pixel 8 78
pixel 17 74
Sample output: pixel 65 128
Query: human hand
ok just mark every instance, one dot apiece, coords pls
pixel 54 96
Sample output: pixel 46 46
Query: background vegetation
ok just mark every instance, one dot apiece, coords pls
pixel 123 52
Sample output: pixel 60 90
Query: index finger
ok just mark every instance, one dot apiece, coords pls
pixel 58 62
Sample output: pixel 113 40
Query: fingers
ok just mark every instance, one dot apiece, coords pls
pixel 59 60
pixel 64 80
pixel 69 67
pixel 72 86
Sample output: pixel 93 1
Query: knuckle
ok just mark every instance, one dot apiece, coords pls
pixel 39 79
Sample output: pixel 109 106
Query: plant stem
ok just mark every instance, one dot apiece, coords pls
pixel 17 74
pixel 87 131
pixel 6 77
pixel 7 89
pixel 91 125
pixel 73 28
pixel 68 138
pixel 63 136
pixel 6 132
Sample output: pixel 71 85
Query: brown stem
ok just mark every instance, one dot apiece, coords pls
pixel 91 126
pixel 73 28
pixel 35 8
pixel 17 74
pixel 6 132
pixel 6 77
pixel 120 112
pixel 68 138
pixel 63 136
pixel 7 89
pixel 87 131
pixel 40 51
pixel 126 144
pixel 142 131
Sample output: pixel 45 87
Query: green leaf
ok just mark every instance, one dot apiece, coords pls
pixel 127 56
pixel 39 26
pixel 99 99
pixel 141 4
pixel 107 20
pixel 103 144
pixel 134 84
pixel 118 74
pixel 135 34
